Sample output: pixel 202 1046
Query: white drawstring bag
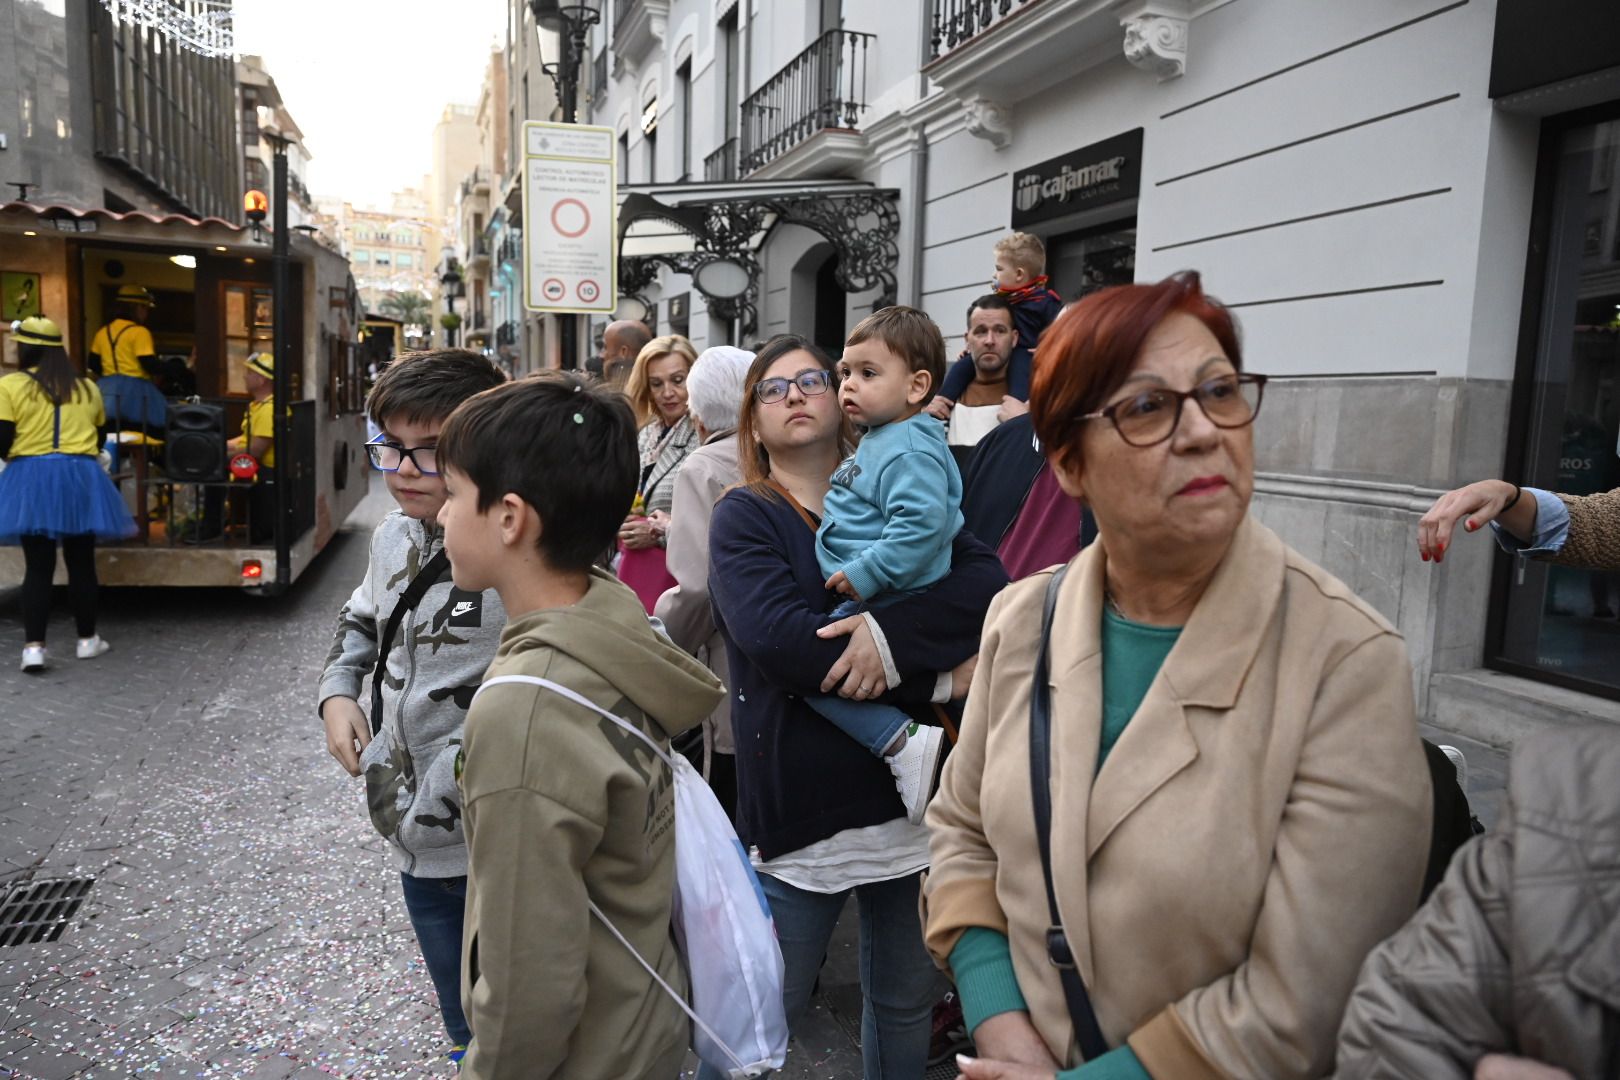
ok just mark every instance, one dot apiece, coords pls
pixel 723 926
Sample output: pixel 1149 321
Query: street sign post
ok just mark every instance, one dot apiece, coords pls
pixel 570 256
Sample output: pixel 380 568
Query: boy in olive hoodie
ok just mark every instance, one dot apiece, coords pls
pixel 561 807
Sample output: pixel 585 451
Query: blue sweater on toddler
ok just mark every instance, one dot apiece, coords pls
pixel 893 510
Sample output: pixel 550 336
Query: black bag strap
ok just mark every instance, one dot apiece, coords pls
pixel 425 579
pixel 1087 1032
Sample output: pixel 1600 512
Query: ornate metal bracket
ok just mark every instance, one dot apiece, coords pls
pixel 862 226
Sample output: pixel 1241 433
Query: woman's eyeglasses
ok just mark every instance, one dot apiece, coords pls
pixel 388 457
pixel 1150 417
pixel 811 384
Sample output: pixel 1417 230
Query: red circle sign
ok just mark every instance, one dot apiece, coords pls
pixel 244 466
pixel 553 289
pixel 570 218
pixel 588 291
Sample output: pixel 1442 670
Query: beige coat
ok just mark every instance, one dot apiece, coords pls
pixel 684 609
pixel 1262 823
pixel 1518 950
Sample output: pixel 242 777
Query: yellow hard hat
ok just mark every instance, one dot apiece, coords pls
pixel 36 330
pixel 261 363
pixel 135 294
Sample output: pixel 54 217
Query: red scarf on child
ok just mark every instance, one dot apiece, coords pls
pixel 1027 292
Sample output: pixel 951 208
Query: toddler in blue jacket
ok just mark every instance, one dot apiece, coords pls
pixel 889 519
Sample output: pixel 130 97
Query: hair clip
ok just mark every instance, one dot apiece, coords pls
pixel 578 387
pixel 578 419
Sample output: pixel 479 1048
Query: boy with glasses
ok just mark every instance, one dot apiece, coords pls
pixel 431 663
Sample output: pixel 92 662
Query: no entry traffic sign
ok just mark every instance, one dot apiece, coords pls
pixel 570 253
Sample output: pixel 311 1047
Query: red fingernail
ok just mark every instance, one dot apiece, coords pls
pixel 1425 556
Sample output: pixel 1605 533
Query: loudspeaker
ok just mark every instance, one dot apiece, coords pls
pixel 194 449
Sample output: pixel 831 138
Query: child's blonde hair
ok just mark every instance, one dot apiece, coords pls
pixel 1025 251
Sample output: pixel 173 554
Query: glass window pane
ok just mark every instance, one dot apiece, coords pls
pixel 1562 620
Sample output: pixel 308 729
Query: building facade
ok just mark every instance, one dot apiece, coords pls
pixel 1412 209
pixel 264 117
pixel 99 112
pixel 390 251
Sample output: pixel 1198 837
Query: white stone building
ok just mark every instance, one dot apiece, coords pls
pixel 1414 209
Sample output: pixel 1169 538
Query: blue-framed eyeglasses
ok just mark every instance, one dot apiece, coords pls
pixel 388 457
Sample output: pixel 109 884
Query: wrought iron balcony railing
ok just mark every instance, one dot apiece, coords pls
pixel 956 21
pixel 721 165
pixel 823 87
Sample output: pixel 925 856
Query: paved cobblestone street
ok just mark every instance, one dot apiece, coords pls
pixel 243 920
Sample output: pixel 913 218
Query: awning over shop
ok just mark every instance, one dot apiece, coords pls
pixel 685 226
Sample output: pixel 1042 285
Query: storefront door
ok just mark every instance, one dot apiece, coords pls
pixel 1551 620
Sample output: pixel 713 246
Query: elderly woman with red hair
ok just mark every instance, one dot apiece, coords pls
pixel 1207 742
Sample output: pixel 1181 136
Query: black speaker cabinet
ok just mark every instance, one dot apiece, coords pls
pixel 194 451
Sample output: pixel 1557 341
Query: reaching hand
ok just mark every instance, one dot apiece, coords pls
pixel 1479 503
pixel 1504 1067
pixel 962 677
pixel 347 731
pixel 858 674
pixel 940 408
pixel 839 584
pixel 1011 407
pixel 985 1069
pixel 637 533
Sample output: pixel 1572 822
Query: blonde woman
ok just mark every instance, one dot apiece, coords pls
pixel 657 392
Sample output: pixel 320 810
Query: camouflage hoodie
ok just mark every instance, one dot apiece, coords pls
pixel 438 657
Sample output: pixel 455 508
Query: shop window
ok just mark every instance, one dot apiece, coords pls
pixel 1553 621
pixel 1084 261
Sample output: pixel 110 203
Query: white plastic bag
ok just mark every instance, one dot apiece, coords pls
pixel 723 927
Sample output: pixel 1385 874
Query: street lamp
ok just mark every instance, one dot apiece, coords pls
pixel 451 280
pixel 570 22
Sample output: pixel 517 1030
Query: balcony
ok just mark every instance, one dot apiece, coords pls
pixel 477 254
pixel 822 90
pixel 510 249
pixel 991 54
pixel 721 165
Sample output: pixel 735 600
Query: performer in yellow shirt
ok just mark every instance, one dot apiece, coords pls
pixel 53 490
pixel 259 439
pixel 124 355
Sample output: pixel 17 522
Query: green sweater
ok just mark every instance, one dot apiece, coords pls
pixel 1133 653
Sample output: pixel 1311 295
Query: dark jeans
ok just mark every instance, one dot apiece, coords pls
pixel 899 984
pixel 437 907
pixel 39 562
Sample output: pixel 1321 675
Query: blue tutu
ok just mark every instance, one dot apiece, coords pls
pixel 59 495
pixel 136 404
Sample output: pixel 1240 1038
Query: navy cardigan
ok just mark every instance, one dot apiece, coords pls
pixel 800 779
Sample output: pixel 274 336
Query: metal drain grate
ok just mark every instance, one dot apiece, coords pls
pixel 36 911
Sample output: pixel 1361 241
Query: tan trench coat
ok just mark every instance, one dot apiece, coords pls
pixel 1262 823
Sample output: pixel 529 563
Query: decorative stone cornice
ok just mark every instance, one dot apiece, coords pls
pixel 1156 36
pixel 988 120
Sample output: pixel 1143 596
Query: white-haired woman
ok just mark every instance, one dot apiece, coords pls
pixel 714 389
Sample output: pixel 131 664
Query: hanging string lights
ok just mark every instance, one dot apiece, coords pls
pixel 203 26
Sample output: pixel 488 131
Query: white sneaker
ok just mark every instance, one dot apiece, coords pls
pixel 1459 763
pixel 92 647
pixel 33 658
pixel 914 766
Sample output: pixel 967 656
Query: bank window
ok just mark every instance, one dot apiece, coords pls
pixel 1557 621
